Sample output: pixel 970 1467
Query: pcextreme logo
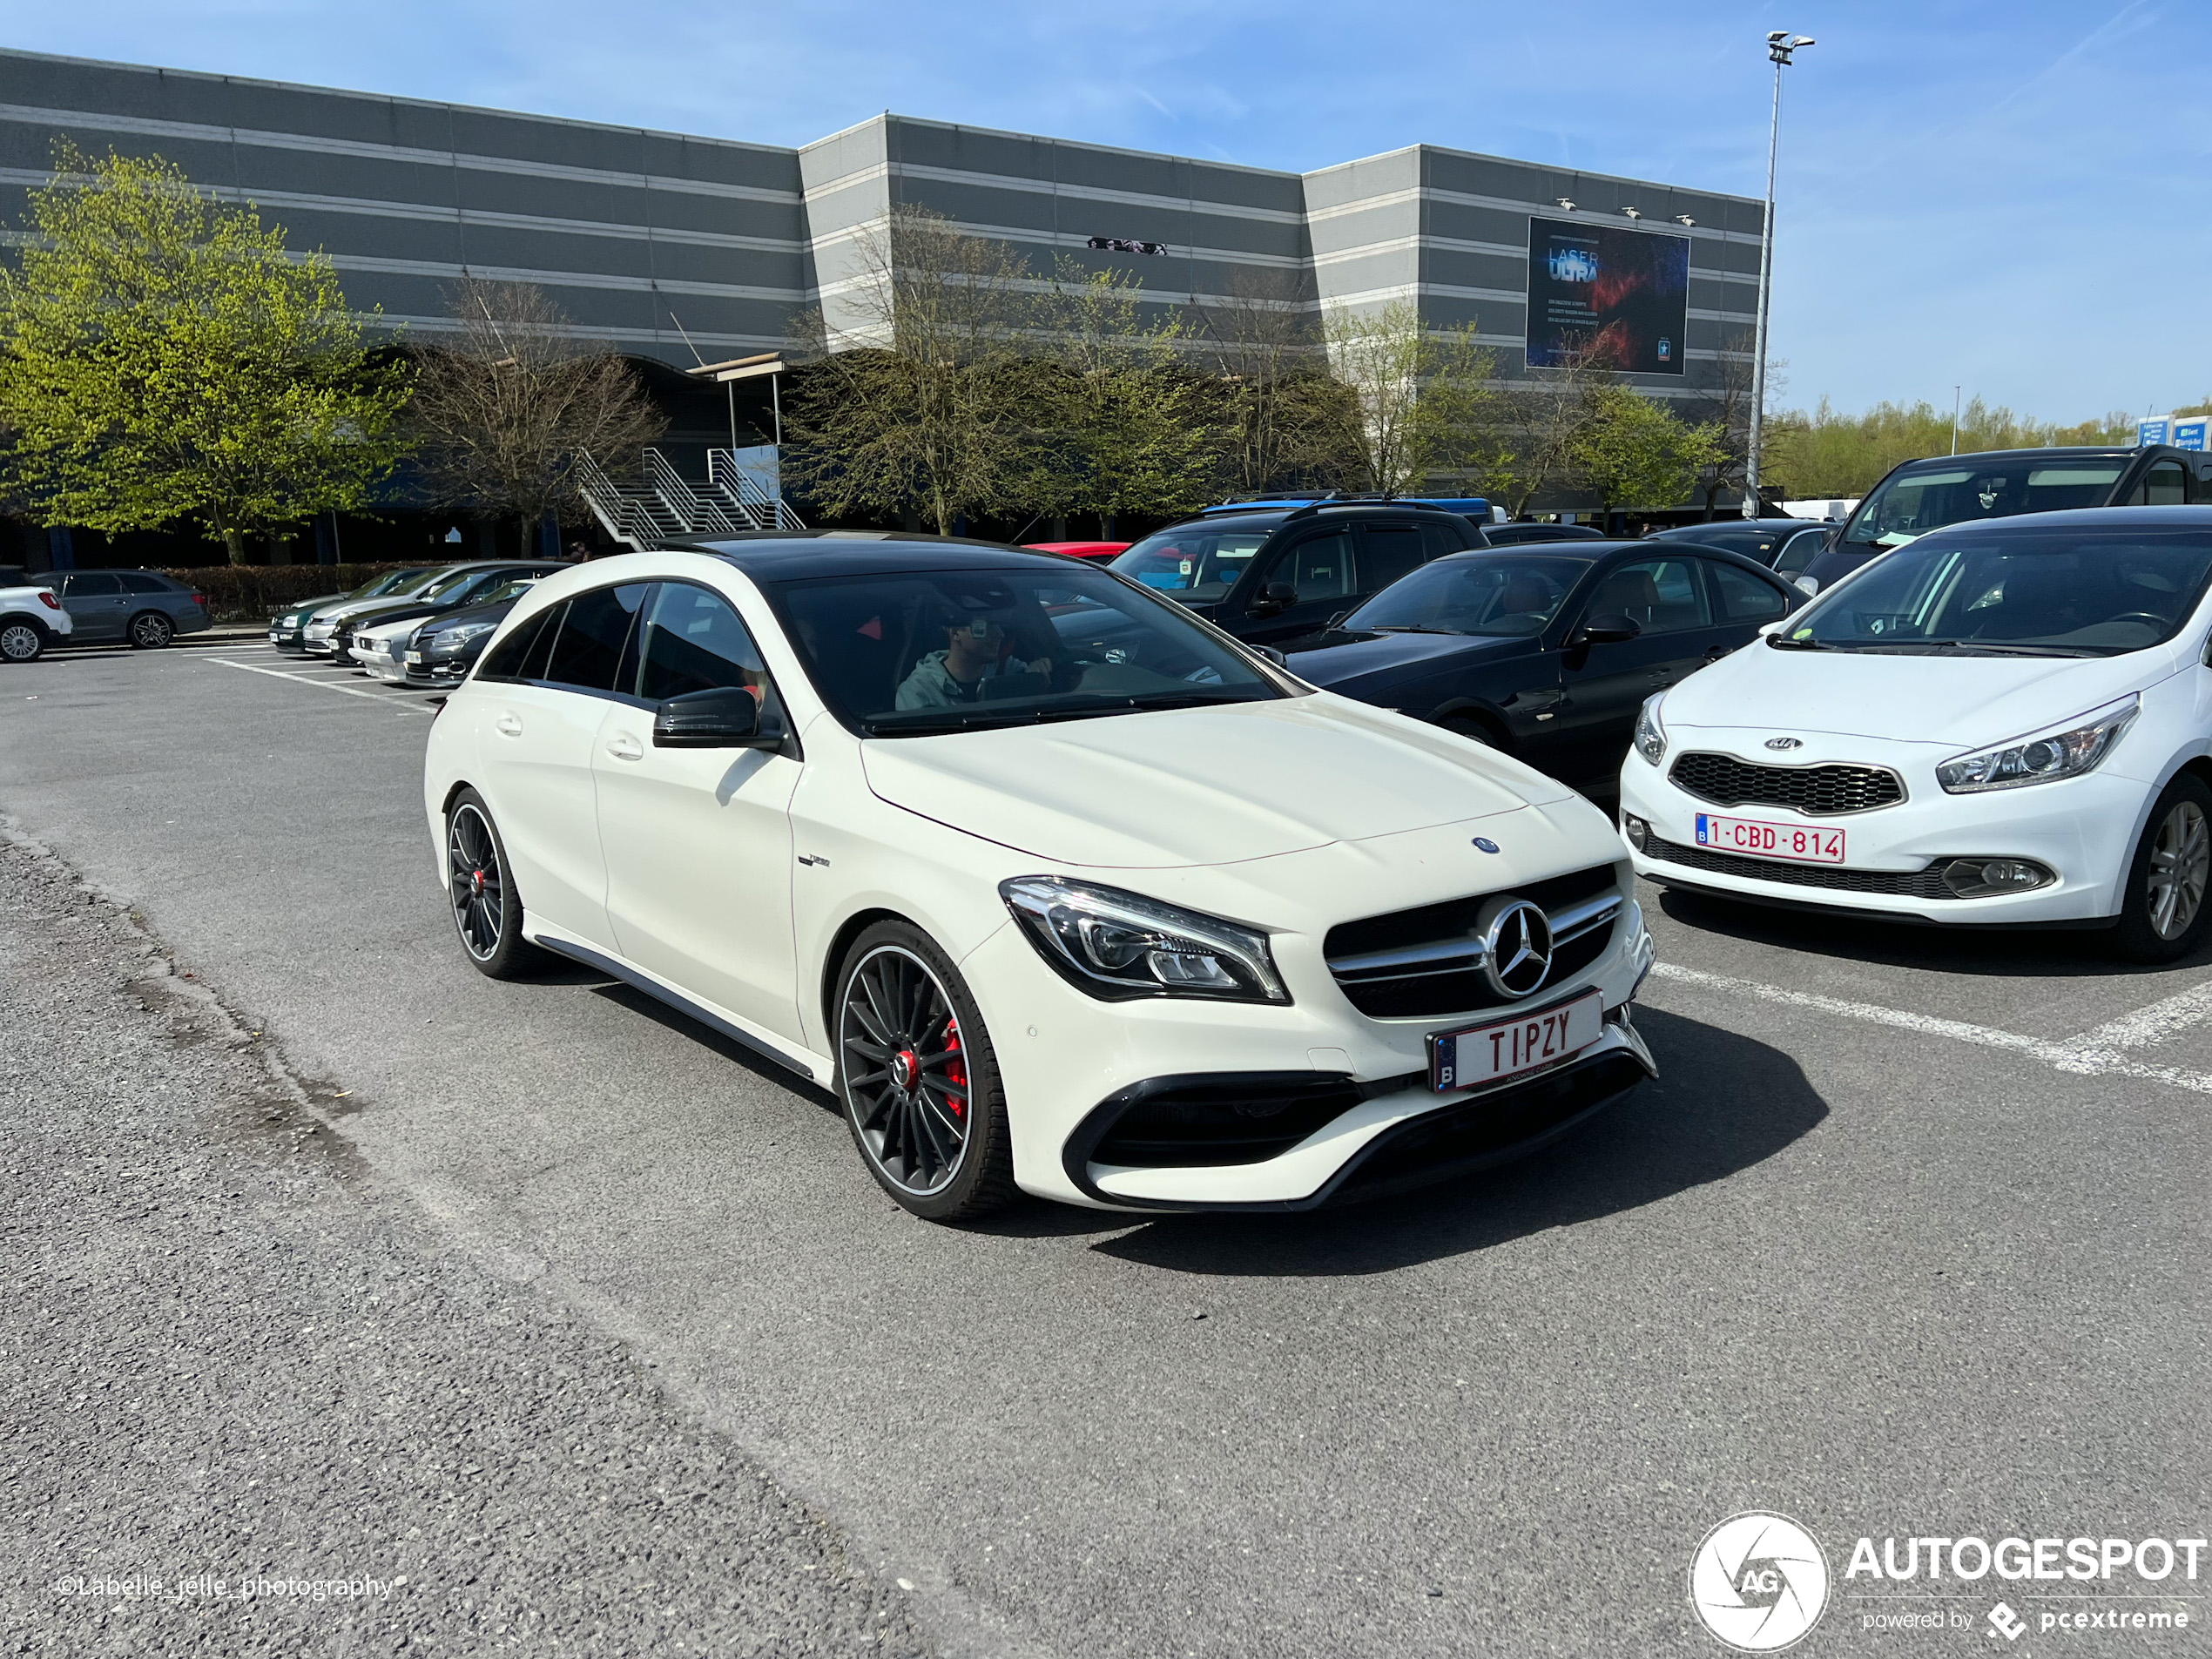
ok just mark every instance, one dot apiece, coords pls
pixel 1758 1583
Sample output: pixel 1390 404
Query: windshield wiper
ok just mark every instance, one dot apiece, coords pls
pixel 1778 642
pixel 938 722
pixel 1982 648
pixel 1409 628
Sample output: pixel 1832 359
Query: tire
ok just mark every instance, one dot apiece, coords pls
pixel 480 889
pixel 2163 912
pixel 21 641
pixel 899 998
pixel 150 630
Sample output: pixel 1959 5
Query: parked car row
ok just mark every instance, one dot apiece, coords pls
pixel 423 626
pixel 143 609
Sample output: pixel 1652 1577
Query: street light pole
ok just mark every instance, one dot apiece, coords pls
pixel 1779 45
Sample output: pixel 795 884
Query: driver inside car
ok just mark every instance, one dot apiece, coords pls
pixel 977 661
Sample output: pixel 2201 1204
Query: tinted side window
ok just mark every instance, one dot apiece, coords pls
pixel 694 642
pixel 1320 567
pixel 1660 596
pixel 87 587
pixel 135 583
pixel 1437 541
pixel 1387 552
pixel 1799 551
pixel 1745 598
pixel 588 654
pixel 505 660
pixel 2165 485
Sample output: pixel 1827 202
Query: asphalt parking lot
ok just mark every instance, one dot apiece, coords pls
pixel 1909 1239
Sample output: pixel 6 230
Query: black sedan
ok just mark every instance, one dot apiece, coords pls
pixel 446 646
pixel 1548 651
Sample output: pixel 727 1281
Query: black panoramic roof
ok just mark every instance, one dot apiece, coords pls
pixel 787 556
pixel 2086 452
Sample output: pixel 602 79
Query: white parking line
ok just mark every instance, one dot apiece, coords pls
pixel 2153 1024
pixel 390 699
pixel 2094 1053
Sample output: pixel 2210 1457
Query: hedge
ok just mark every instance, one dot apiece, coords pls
pixel 256 592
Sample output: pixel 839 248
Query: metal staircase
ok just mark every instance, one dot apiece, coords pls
pixel 662 505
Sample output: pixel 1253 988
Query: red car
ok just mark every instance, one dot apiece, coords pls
pixel 1080 549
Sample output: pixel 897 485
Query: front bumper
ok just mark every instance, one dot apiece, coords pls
pixel 1072 1064
pixel 2081 829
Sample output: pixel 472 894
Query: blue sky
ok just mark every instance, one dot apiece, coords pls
pixel 2008 196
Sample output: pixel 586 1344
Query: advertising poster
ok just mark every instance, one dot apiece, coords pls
pixel 1614 295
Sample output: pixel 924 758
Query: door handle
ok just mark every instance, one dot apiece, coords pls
pixel 623 746
pixel 508 725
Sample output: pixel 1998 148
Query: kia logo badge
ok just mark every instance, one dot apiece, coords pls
pixel 1784 743
pixel 1516 948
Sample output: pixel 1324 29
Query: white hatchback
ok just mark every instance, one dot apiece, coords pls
pixel 1058 887
pixel 2004 723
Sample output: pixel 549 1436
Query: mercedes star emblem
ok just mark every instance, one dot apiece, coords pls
pixel 1784 743
pixel 1517 949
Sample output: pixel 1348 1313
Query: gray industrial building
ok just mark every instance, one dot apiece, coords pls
pixel 665 244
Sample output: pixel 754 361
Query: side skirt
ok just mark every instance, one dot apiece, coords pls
pixel 677 1000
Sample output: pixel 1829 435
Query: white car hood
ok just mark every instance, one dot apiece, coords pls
pixel 1959 702
pixel 1199 786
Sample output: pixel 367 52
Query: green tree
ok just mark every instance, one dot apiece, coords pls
pixel 919 402
pixel 1541 425
pixel 1828 453
pixel 1420 403
pixel 162 358
pixel 1632 452
pixel 1118 425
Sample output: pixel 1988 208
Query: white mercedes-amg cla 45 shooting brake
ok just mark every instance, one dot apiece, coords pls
pixel 1057 887
pixel 2007 723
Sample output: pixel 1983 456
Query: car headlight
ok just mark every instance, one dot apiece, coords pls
pixel 321 630
pixel 1652 731
pixel 2065 751
pixel 1117 945
pixel 452 639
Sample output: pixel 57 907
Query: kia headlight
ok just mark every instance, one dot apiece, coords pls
pixel 1117 945
pixel 1652 731
pixel 2066 751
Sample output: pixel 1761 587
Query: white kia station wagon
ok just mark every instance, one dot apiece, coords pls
pixel 1057 887
pixel 2002 722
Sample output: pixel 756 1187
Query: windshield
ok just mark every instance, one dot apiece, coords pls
pixel 909 653
pixel 1504 593
pixel 1196 562
pixel 397 581
pixel 1918 499
pixel 2022 593
pixel 449 585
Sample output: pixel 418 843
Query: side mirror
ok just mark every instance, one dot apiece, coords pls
pixel 1282 661
pixel 1608 628
pixel 1276 595
pixel 722 717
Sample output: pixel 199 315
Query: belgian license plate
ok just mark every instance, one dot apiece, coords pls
pixel 1483 1054
pixel 1765 841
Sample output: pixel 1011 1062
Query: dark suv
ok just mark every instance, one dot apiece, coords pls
pixel 1273 573
pixel 1923 496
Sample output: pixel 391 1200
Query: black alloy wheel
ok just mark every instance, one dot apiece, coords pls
pixel 487 913
pixel 21 642
pixel 918 1079
pixel 150 630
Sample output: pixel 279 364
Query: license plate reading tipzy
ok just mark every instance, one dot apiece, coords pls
pixel 1483 1054
pixel 1806 846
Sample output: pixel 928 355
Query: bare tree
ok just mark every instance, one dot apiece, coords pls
pixel 1542 425
pixel 508 404
pixel 1286 421
pixel 1421 401
pixel 914 400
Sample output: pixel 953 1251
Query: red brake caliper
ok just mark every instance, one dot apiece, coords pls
pixel 955 1070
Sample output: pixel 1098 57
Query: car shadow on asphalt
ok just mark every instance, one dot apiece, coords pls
pixel 1722 1102
pixel 2029 953
pixel 706 1036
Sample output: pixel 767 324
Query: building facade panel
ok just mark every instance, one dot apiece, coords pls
pixel 631 229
